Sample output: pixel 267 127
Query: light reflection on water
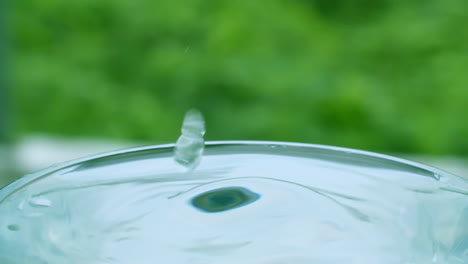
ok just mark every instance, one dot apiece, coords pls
pixel 245 203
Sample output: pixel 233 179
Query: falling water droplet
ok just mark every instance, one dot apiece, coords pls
pixel 190 145
pixel 40 202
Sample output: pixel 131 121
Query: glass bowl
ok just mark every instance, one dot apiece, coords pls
pixel 247 202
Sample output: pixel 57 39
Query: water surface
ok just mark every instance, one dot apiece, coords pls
pixel 258 203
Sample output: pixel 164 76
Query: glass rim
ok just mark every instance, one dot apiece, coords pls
pixel 6 190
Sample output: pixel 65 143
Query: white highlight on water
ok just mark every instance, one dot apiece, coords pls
pixel 40 202
pixel 190 145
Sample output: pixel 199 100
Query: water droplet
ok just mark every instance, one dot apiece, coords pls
pixel 190 145
pixel 40 202
pixel 224 199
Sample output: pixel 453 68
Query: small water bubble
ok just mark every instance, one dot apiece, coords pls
pixel 190 145
pixel 40 202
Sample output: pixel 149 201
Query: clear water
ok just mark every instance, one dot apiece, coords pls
pixel 254 203
pixel 190 145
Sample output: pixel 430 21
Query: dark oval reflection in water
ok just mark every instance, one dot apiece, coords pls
pixel 224 199
pixel 258 203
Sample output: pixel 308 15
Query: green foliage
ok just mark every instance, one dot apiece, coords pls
pixel 377 75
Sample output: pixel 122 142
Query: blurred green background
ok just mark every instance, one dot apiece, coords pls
pixel 386 76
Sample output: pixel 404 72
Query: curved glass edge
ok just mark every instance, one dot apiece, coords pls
pixel 169 148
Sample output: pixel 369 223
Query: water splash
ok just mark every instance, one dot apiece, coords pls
pixel 190 145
